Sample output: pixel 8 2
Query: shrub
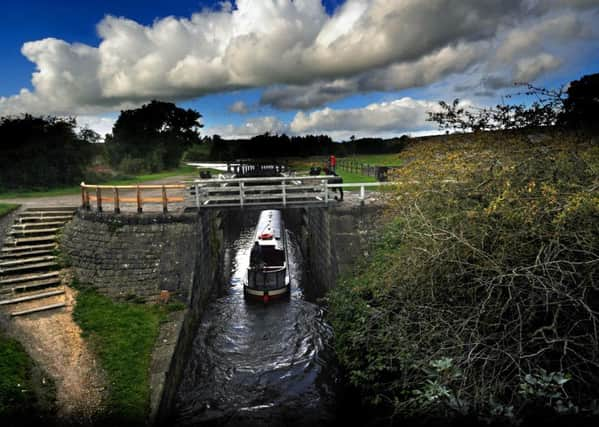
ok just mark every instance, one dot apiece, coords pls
pixel 486 276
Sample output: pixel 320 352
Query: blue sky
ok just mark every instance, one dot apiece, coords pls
pixel 343 67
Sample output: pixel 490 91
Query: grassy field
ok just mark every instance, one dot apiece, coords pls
pixel 185 170
pixel 6 208
pixel 486 267
pixel 391 159
pixel 302 166
pixel 123 336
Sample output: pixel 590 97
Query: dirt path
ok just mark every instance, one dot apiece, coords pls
pixel 54 341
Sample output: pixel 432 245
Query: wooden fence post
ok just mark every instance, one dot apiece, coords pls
pixel 83 195
pixel 117 202
pixel 164 200
pixel 99 198
pixel 139 209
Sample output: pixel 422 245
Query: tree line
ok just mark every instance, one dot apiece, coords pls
pixel 273 146
pixel 45 152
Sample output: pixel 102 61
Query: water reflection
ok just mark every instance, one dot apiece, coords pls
pixel 259 364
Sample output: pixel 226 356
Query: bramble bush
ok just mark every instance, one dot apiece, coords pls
pixel 486 277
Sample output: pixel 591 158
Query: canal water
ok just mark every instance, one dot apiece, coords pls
pixel 260 364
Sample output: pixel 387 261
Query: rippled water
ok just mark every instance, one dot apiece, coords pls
pixel 260 364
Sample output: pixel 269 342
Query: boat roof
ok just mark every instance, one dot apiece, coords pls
pixel 270 223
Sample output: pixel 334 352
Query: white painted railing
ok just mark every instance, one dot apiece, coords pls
pixel 281 191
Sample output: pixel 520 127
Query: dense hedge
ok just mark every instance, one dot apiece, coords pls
pixel 482 295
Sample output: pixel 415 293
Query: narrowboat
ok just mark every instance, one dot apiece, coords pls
pixel 268 272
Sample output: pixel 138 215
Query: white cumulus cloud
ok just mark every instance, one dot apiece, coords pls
pixel 396 117
pixel 250 128
pixel 372 44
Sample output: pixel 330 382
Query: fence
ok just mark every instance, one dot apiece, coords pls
pixel 220 193
pixel 138 195
pixel 353 166
pixel 278 191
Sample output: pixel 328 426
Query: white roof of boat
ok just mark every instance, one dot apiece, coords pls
pixel 270 223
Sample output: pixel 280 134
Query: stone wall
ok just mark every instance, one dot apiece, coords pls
pixel 138 256
pixel 333 239
pixel 176 335
pixel 135 256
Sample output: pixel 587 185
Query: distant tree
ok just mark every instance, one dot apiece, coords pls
pixel 89 135
pixel 581 108
pixel 41 152
pixel 152 137
pixel 544 111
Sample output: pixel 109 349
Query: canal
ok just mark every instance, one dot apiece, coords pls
pixel 260 364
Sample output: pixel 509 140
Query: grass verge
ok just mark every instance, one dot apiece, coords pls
pixel 65 191
pixel 24 393
pixel 6 208
pixel 123 336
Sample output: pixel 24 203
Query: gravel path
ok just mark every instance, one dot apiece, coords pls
pixel 54 341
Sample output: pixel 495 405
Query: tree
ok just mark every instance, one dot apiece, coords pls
pixel 152 137
pixel 89 135
pixel 41 152
pixel 581 108
pixel 543 112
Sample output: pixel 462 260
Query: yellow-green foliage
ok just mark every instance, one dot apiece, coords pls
pixel 489 267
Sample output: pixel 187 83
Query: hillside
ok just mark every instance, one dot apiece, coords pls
pixel 480 298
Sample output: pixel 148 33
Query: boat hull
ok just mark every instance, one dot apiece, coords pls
pixel 261 293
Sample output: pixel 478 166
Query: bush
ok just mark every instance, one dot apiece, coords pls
pixel 133 166
pixel 486 278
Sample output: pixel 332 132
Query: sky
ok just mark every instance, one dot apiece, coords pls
pixel 341 67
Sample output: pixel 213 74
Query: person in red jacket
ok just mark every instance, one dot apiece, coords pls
pixel 332 162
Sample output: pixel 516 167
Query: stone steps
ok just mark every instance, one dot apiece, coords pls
pixel 52 209
pixel 29 275
pixel 46 214
pixel 28 232
pixel 32 297
pixel 28 267
pixel 38 225
pixel 12 242
pixel 25 249
pixel 33 219
pixel 36 285
pixel 24 278
pixel 39 309
pixel 28 260
pixel 7 256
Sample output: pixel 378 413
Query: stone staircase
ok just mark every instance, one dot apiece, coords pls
pixel 30 277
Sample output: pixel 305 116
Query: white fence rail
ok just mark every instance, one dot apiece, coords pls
pixel 281 191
